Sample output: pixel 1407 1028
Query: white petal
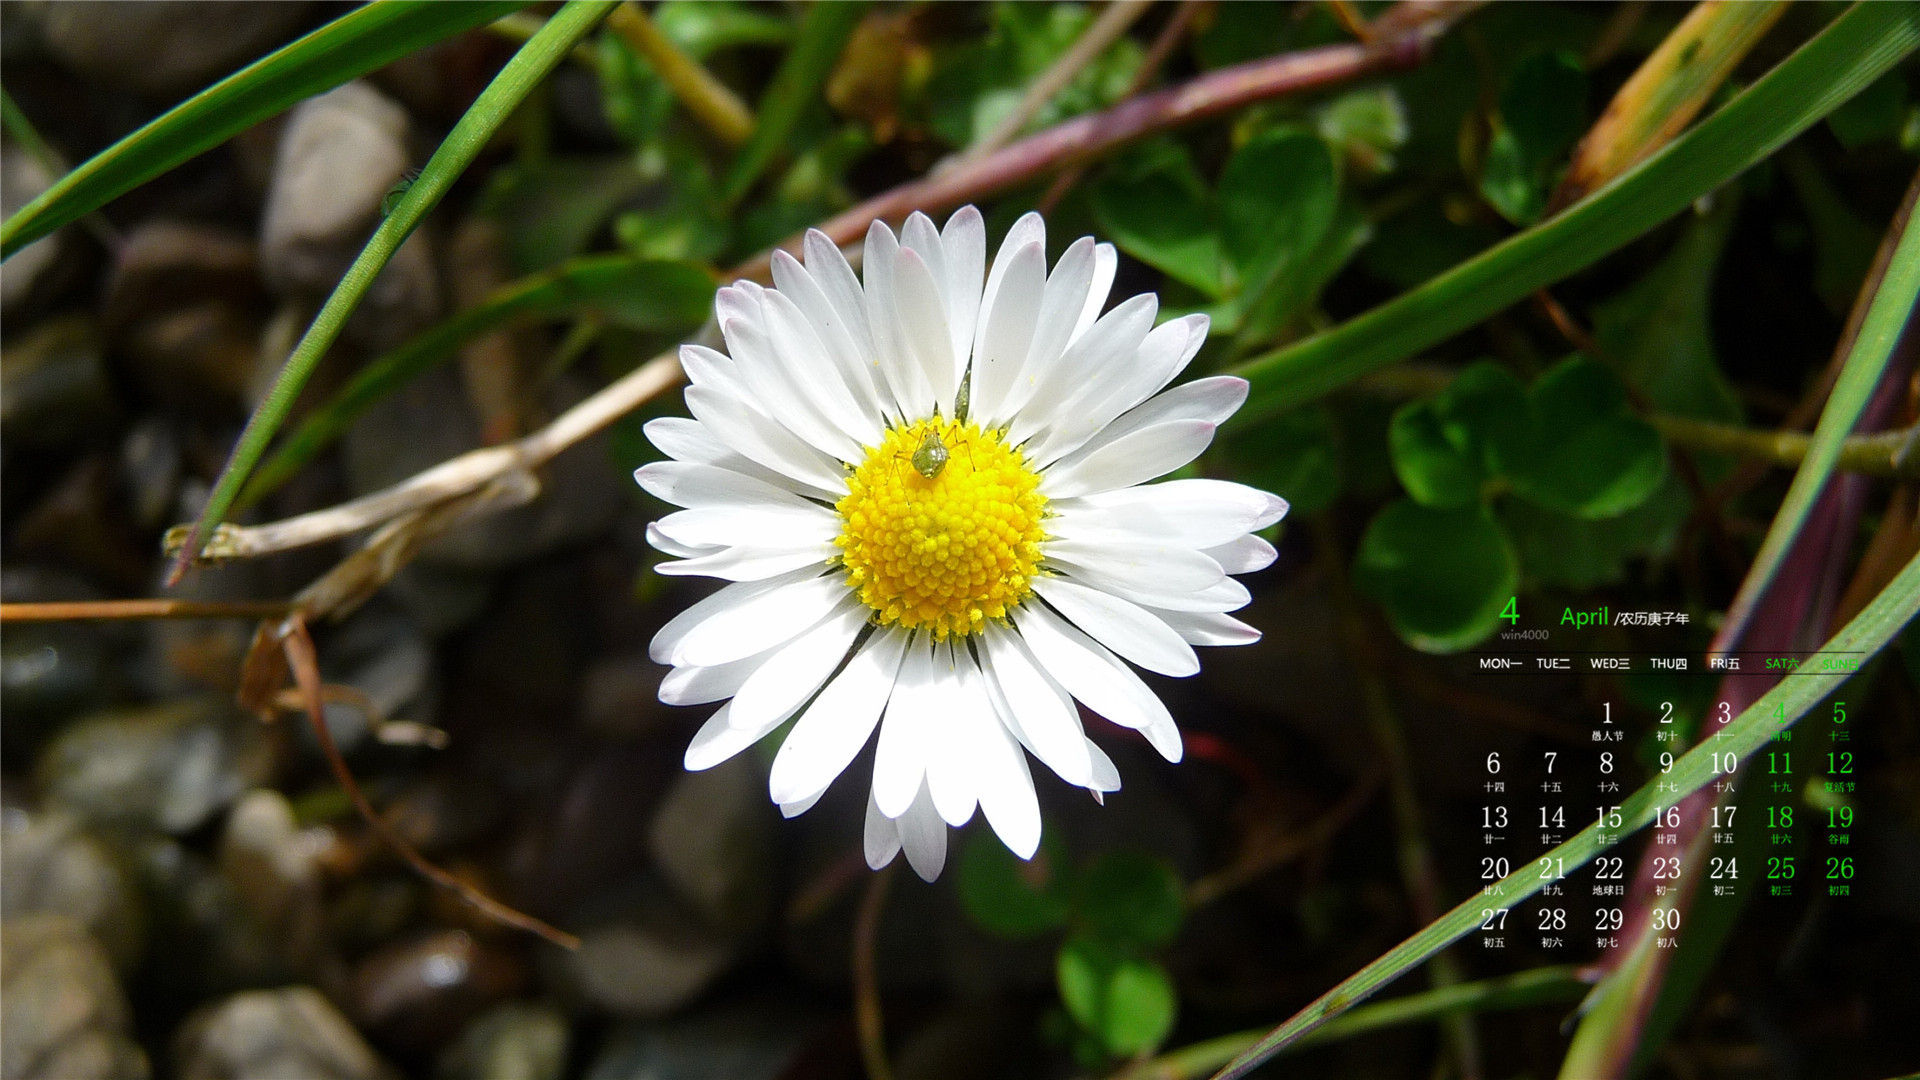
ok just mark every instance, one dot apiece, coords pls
pixel 1006 331
pixel 1001 781
pixel 844 336
pixel 950 761
pixel 669 636
pixel 834 728
pixel 1130 459
pixel 1194 513
pixel 1100 354
pixel 725 526
pixel 1106 262
pixel 690 484
pixel 900 758
pixel 1096 677
pixel 796 670
pixel 1223 595
pixel 1135 562
pixel 748 562
pixel 1051 726
pixel 718 740
pixel 1030 229
pixel 924 836
pixel 924 324
pixel 663 542
pixel 715 370
pixel 785 381
pixel 965 239
pixel 1123 386
pixel 743 629
pixel 1106 776
pixel 820 371
pixel 881 839
pixel 1211 399
pixel 1121 625
pixel 800 806
pixel 686 439
pixel 694 685
pixel 765 441
pixel 902 374
pixel 1060 304
pixel 1208 628
pixel 1244 555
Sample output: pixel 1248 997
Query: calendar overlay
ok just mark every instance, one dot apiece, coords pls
pixel 1777 825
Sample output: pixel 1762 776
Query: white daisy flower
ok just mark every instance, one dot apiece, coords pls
pixel 930 498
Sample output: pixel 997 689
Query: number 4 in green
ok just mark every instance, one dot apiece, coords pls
pixel 1511 612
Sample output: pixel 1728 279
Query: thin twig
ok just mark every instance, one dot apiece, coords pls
pixel 711 102
pixel 866 976
pixel 1084 138
pixel 301 657
pixel 99 610
pixel 1107 29
pixel 1184 12
pixel 1885 453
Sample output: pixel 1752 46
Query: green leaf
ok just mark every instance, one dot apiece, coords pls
pixel 1126 1002
pixel 1140 1005
pixel 1368 125
pixel 1435 470
pixel 550 210
pixel 1562 551
pixel 475 129
pixel 797 84
pixel 1543 110
pixel 704 27
pixel 1876 114
pixel 1155 208
pixel 1856 48
pixel 1582 451
pixel 1294 456
pixel 1131 898
pixel 1776 711
pixel 1482 406
pixel 1012 897
pixel 1442 575
pixel 352 45
pixel 1276 199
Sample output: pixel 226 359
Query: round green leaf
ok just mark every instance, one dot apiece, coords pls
pixel 1139 1007
pixel 1131 898
pixel 1442 575
pixel 1082 970
pixel 1010 897
pixel 1585 453
pixel 1433 469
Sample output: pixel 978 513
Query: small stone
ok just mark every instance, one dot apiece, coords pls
pixel 275 1035
pixel 58 393
pixel 712 838
pixel 273 866
pixel 203 941
pixel 185 308
pixel 49 864
pixel 22 179
pixel 165 48
pixel 340 155
pixel 417 994
pixel 48 672
pixel 520 1040
pixel 760 1041
pixel 645 965
pixel 150 468
pixel 166 767
pixel 64 1015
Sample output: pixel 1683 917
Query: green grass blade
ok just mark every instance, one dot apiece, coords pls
pixel 1880 331
pixel 795 86
pixel 1523 990
pixel 1853 51
pixel 350 46
pixel 680 293
pixel 1777 710
pixel 528 67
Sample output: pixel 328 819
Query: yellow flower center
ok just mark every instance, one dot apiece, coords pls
pixel 941 544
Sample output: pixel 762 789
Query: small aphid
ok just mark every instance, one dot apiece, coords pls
pixel 391 201
pixel 931 457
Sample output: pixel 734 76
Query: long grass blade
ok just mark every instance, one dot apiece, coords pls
pixel 1776 711
pixel 795 85
pixel 1853 51
pixel 346 48
pixel 528 67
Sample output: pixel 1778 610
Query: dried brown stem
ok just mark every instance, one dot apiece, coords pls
pixel 139 609
pixel 298 645
pixel 866 976
pixel 1107 29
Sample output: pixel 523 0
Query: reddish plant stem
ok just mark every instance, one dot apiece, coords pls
pixel 139 609
pixel 305 663
pixel 1087 137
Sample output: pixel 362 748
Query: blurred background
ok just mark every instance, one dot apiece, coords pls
pixel 188 891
